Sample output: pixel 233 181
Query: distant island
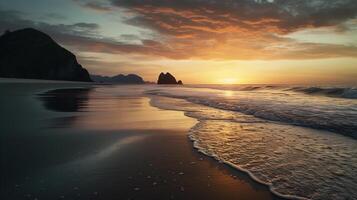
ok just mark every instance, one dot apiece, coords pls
pixel 119 79
pixel 168 79
pixel 32 54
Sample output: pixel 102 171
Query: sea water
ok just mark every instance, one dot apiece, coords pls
pixel 298 140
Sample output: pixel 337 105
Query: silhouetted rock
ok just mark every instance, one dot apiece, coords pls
pixel 120 79
pixel 29 53
pixel 179 82
pixel 167 79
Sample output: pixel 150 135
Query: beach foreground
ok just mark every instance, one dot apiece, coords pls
pixel 81 144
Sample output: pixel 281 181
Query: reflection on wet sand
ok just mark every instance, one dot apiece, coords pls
pixel 66 100
pixel 117 148
pixel 109 113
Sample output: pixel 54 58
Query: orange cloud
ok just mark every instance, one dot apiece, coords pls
pixel 240 29
pixel 211 29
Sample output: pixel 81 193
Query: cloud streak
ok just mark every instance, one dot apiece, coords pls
pixel 94 5
pixel 280 16
pixel 207 29
pixel 242 29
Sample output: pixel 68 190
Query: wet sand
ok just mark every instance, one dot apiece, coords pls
pixel 75 144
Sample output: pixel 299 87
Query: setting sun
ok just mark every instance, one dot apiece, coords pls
pixel 228 81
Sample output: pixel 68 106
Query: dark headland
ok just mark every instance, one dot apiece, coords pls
pixel 168 79
pixel 119 79
pixel 32 54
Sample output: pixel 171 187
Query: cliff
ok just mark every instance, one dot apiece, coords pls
pixel 31 54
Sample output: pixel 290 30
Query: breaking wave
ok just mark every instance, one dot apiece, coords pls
pixel 338 92
pixel 336 115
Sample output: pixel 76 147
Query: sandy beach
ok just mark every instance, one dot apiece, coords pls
pixel 178 99
pixel 79 144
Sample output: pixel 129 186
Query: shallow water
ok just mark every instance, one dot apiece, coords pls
pixel 266 133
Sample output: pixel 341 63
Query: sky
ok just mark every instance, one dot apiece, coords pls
pixel 202 41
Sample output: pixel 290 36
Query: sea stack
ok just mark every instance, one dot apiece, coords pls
pixel 167 79
pixel 32 54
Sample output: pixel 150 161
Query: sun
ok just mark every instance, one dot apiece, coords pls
pixel 229 81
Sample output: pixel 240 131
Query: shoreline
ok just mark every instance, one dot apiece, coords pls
pixel 226 163
pixel 235 177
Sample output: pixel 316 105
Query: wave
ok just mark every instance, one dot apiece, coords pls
pixel 196 146
pixel 319 113
pixel 235 87
pixel 346 127
pixel 349 93
pixel 294 162
pixel 337 92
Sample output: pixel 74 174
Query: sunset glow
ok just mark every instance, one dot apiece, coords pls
pixel 229 81
pixel 265 41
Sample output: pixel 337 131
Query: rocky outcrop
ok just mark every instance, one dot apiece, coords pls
pixel 31 54
pixel 119 79
pixel 167 79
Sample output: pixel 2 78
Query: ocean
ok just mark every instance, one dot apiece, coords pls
pixel 298 140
